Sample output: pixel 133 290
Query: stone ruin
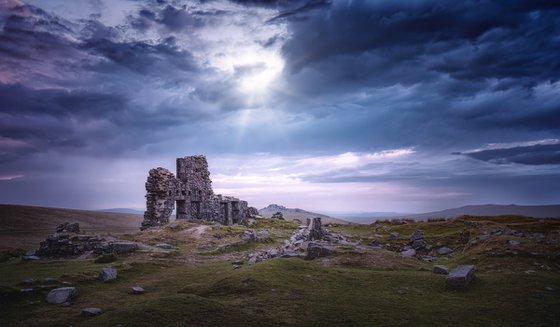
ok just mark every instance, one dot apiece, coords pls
pixel 68 241
pixel 191 193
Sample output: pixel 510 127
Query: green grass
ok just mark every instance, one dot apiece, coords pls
pixel 355 287
pixel 284 292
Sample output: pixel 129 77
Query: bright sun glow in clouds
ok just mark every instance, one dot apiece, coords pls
pixel 268 66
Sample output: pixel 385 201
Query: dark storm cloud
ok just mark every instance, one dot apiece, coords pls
pixel 148 78
pixel 539 154
pixel 468 40
pixel 142 57
pixel 305 7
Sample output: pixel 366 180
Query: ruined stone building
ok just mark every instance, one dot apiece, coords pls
pixel 191 193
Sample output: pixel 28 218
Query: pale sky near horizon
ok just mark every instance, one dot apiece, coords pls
pixel 404 106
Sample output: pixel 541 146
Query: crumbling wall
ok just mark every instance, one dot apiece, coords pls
pixel 160 197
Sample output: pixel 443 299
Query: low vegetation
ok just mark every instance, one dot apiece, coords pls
pixel 194 284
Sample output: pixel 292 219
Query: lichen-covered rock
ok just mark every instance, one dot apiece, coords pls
pixel 408 253
pixel 123 247
pixel 108 274
pixel 61 295
pixel 315 250
pixel 137 290
pixel 444 250
pixel 460 277
pixel 90 312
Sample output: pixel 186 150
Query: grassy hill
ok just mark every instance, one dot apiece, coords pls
pixel 539 211
pixel 26 226
pixel 296 213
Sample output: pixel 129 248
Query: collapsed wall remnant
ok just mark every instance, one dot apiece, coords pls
pixel 192 195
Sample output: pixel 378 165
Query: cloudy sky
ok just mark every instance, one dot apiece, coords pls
pixel 341 105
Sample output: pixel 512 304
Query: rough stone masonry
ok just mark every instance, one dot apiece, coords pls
pixel 191 191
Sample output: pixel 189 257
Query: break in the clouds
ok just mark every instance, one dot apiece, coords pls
pixel 326 105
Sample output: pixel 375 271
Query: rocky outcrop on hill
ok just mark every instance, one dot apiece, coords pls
pixel 297 214
pixel 309 241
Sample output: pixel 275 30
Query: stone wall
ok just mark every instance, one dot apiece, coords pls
pixel 191 192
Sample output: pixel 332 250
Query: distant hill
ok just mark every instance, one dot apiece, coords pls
pixel 36 222
pixel 544 211
pixel 296 213
pixel 123 210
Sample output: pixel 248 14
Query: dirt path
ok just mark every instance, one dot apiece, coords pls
pixel 197 231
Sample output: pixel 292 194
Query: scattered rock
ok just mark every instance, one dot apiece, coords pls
pixel 50 280
pixel 236 266
pixel 444 250
pixel 417 240
pixel 513 242
pixel 430 258
pixel 61 295
pixel 27 290
pixel 460 277
pixel 108 274
pixel 30 258
pixel 137 290
pixel 29 281
pixel 550 289
pixel 484 237
pixel 394 236
pixel 31 252
pixel 278 215
pixel 439 269
pixel 375 244
pixel 237 262
pixel 173 226
pixel 90 312
pixel 165 246
pixel 408 253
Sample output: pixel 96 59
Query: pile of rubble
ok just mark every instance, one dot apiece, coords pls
pixel 309 241
pixel 67 241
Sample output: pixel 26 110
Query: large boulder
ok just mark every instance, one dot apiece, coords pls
pixel 108 274
pixel 460 277
pixel 123 247
pixel 315 250
pixel 61 295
